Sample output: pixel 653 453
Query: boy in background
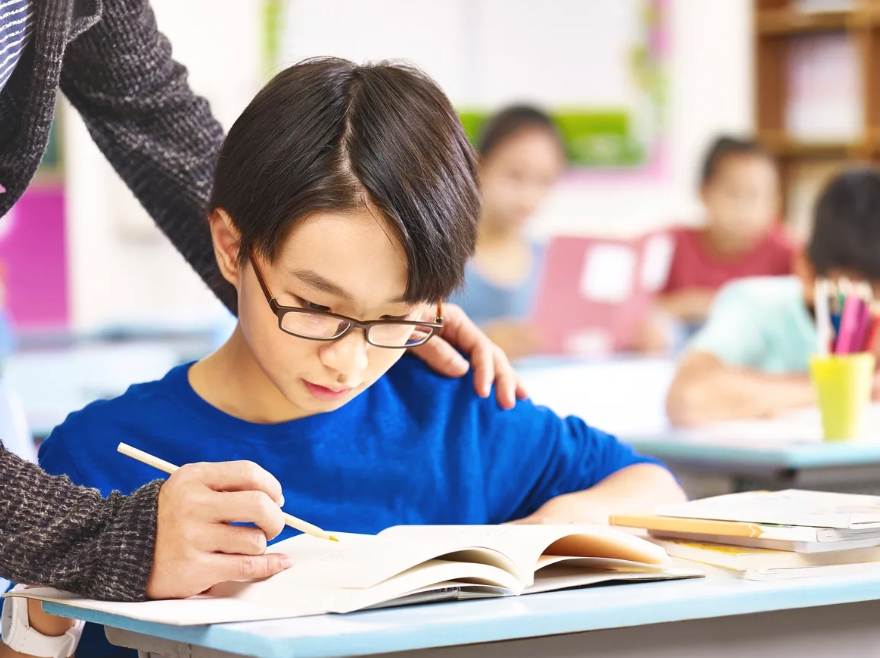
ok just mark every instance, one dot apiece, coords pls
pixel 750 360
pixel 740 192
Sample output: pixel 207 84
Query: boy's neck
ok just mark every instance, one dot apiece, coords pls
pixel 232 381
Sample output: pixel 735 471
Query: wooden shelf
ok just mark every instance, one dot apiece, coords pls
pixel 795 148
pixel 788 21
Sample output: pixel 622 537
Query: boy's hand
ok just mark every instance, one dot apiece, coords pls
pixel 566 510
pixel 489 361
pixel 196 548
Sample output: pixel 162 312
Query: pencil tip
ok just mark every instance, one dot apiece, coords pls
pixel 332 538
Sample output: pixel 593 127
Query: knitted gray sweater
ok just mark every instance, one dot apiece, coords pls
pixel 116 69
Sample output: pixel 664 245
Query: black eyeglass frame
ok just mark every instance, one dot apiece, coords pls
pixel 433 328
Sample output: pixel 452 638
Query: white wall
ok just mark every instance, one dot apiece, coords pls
pixel 122 271
pixel 711 92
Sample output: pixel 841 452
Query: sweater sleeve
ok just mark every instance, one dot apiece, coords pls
pixel 159 136
pixel 53 533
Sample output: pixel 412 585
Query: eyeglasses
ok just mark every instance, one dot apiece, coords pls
pixel 320 325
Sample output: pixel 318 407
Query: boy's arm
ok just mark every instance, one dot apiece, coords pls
pixel 563 471
pixel 688 305
pixel 633 490
pixel 160 137
pixel 705 389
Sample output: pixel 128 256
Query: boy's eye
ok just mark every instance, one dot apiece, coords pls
pixel 395 318
pixel 309 306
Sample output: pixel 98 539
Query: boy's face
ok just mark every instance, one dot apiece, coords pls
pixel 347 263
pixel 742 199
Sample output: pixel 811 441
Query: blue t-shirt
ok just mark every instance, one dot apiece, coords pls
pixel 414 448
pixel 761 323
pixel 485 301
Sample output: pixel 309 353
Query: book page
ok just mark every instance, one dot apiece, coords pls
pixel 280 589
pixel 364 561
pixel 524 544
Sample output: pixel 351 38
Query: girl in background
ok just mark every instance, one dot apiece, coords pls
pixel 741 237
pixel 521 159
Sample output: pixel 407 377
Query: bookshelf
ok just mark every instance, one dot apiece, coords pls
pixel 817 102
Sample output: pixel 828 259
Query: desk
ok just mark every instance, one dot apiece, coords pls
pixel 721 617
pixel 627 398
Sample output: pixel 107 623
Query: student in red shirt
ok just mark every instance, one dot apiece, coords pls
pixel 741 236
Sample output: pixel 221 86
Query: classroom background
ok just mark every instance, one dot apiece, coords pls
pixel 639 90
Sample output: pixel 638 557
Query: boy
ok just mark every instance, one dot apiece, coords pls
pixel 344 210
pixel 750 360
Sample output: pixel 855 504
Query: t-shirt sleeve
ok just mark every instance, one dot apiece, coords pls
pixel 731 332
pixel 531 455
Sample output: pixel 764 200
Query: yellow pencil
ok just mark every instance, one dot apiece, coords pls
pixel 166 467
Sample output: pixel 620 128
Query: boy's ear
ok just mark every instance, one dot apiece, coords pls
pixel 227 243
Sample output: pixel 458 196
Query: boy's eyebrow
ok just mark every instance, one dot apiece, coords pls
pixel 319 283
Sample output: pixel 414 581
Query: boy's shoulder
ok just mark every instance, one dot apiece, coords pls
pixel 138 404
pixel 771 292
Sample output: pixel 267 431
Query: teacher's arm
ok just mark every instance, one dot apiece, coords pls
pixel 159 136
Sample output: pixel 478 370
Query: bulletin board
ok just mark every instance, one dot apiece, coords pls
pixel 599 66
pixel 33 247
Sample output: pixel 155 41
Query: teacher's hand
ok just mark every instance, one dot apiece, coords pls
pixel 489 361
pixel 196 548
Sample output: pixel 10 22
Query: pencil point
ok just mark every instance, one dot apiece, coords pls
pixel 332 538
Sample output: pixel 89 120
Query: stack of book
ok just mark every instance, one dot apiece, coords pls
pixel 763 535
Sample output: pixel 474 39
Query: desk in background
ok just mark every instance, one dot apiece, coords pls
pixel 722 617
pixel 627 398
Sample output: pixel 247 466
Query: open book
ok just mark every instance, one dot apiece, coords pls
pixel 411 564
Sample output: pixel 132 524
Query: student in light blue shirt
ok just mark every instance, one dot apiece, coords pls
pixel 344 209
pixel 521 159
pixel 751 358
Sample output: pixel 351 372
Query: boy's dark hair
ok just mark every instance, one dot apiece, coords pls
pixel 512 120
pixel 329 135
pixel 846 229
pixel 724 147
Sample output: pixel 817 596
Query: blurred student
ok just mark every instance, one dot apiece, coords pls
pixel 750 360
pixel 521 159
pixel 740 193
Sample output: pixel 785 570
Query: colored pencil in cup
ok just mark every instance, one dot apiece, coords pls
pixel 849 320
pixel 861 332
pixel 166 467
pixel 873 329
pixel 823 317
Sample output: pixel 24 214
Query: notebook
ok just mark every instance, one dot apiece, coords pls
pixel 594 293
pixel 792 507
pixel 410 564
pixel 744 559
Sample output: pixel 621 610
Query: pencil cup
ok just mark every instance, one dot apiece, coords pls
pixel 843 388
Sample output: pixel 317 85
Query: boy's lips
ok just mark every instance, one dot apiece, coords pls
pixel 325 393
